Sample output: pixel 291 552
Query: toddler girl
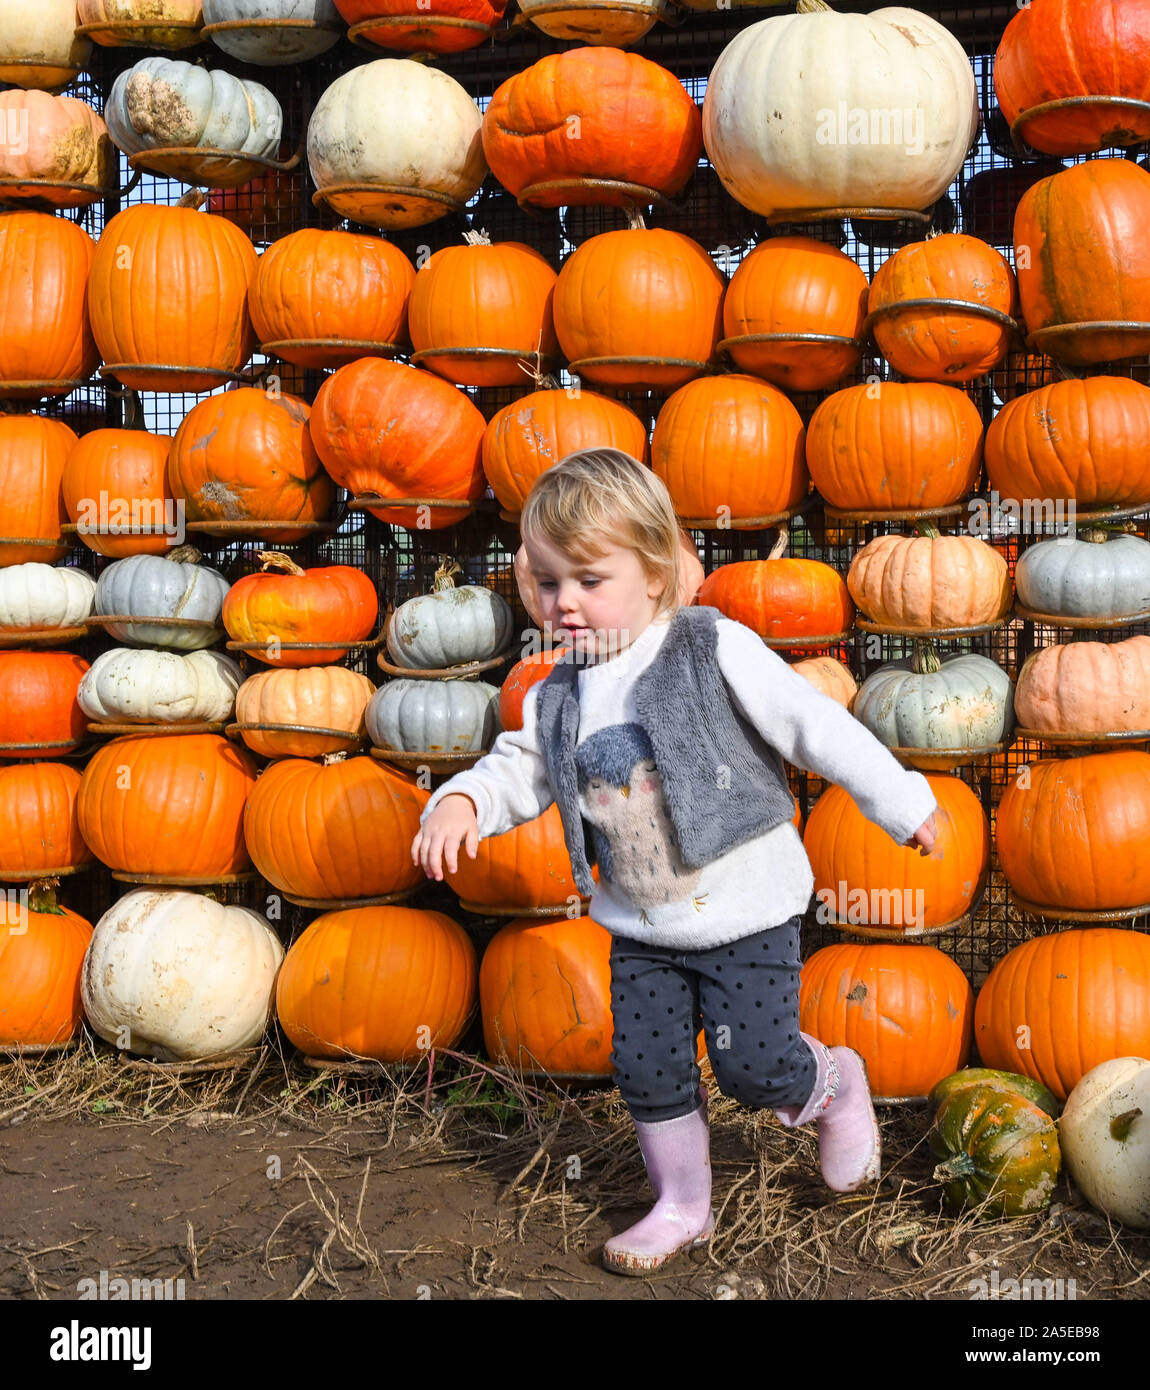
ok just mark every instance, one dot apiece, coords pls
pixel 661 735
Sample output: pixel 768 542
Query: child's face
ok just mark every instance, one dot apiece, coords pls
pixel 602 605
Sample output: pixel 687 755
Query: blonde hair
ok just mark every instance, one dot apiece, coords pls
pixel 601 497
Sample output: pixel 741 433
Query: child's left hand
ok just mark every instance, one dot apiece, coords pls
pixel 924 837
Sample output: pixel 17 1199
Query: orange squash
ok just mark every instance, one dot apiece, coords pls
pixel 522 676
pixel 39 826
pixel 391 983
pixel 42 951
pixel 527 867
pixel 861 874
pixel 908 1013
pixel 169 288
pixel 33 454
pixel 730 449
pixel 432 26
pixel 830 676
pixel 247 455
pixel 38 700
pixel 338 829
pixel 929 581
pixel 545 993
pixel 128 469
pixel 172 807
pixel 323 697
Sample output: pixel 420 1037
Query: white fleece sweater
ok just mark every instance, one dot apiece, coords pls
pixel 759 884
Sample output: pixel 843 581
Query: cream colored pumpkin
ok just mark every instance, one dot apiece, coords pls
pixel 431 143
pixel 264 43
pixel 824 110
pixel 1104 1133
pixel 35 596
pixel 586 24
pixel 145 687
pixel 39 46
pixel 175 975
pixel 1086 687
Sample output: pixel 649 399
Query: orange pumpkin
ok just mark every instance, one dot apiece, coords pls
pixel 338 829
pixel 45 332
pixel 247 455
pixel 169 289
pixel 730 450
pixel 522 676
pixel 395 431
pixel 42 951
pixel 496 299
pixel 1079 439
pixel 781 599
pixel 320 298
pixel 529 435
pixel 896 446
pixel 424 26
pixel 1070 831
pixel 1082 257
pixel 1057 1006
pixel 390 983
pixel 641 307
pixel 830 676
pixel 66 142
pixel 38 700
pixel 321 697
pixel 129 470
pixel 908 1013
pixel 39 827
pixel 591 113
pixel 1057 49
pixel 862 878
pixel 336 603
pixel 33 455
pixel 791 285
pixel 947 345
pixel 929 581
pixel 172 807
pixel 527 867
pixel 545 993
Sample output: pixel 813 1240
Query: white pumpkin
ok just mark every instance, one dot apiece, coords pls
pixel 39 46
pixel 432 143
pixel 163 586
pixel 1105 1137
pixel 589 25
pixel 34 596
pixel 145 687
pixel 267 46
pixel 961 701
pixel 1092 575
pixel 449 626
pixel 430 716
pixel 824 110
pixel 175 975
pixel 161 103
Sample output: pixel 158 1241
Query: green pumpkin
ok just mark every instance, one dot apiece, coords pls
pixel 1026 1086
pixel 997 1151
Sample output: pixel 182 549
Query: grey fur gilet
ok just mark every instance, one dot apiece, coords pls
pixel 723 783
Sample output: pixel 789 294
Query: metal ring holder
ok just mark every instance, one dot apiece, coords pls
pixel 621 193
pixel 912 932
pixel 1032 113
pixel 961 306
pixel 865 625
pixel 863 214
pixel 186 163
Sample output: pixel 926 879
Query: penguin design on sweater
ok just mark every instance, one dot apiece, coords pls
pixel 634 838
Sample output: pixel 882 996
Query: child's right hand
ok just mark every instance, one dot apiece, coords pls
pixel 451 823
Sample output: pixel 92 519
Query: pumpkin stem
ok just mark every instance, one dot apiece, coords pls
pixel 635 219
pixel 1120 1125
pixel 955 1169
pixel 812 7
pixel 194 198
pixel 445 574
pixel 927 528
pixel 1099 532
pixel 277 560
pixel 134 412
pixel 926 659
pixel 186 555
pixel 42 896
pixel 548 382
pixel 781 543
pixel 329 758
pixel 479 238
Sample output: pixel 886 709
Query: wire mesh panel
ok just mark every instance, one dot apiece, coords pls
pixel 401 562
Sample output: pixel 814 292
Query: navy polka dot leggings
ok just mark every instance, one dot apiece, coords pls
pixel 745 995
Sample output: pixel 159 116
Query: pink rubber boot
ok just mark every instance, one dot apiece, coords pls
pixel 678 1158
pixel 850 1146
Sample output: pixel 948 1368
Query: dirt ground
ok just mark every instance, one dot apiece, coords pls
pixel 270 1182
